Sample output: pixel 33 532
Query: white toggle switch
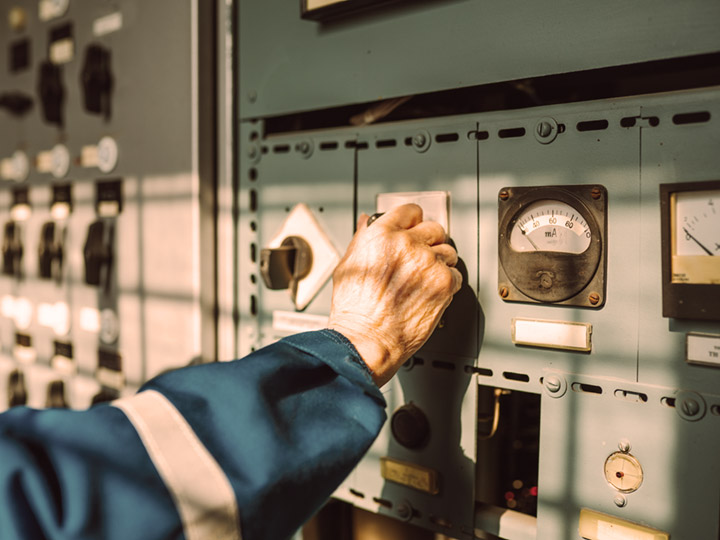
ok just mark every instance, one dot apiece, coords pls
pixel 103 155
pixel 302 223
pixel 16 167
pixel 55 161
pixel 435 204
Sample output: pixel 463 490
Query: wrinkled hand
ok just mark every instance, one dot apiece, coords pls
pixel 392 286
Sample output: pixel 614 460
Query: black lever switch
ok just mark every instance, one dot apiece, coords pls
pixel 97 80
pixel 17 392
pixel 12 250
pixel 52 92
pixel 50 251
pixel 284 266
pixel 55 398
pixel 98 253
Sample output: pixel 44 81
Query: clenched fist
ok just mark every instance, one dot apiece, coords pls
pixel 392 286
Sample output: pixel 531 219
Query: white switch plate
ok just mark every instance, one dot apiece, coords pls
pixel 435 204
pixel 301 222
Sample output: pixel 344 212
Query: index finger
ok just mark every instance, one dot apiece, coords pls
pixel 405 216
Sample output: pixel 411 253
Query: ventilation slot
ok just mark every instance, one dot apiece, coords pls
pixel 357 493
pixel 511 133
pixel 691 118
pixel 253 200
pixel 253 305
pixel 408 141
pixel 654 121
pixel 628 122
pixel 281 148
pixel 715 409
pixel 668 402
pixel 586 388
pixel 252 174
pixel 479 371
pixel 437 364
pixel 383 502
pixel 634 397
pixel 593 125
pixel 386 143
pixel 329 145
pixel 351 144
pixel 479 135
pixel 512 376
pixel 253 253
pixel 253 226
pixel 446 137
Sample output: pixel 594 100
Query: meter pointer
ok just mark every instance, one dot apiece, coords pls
pixel 697 242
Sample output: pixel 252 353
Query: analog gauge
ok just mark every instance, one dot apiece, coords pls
pixel 623 472
pixel 552 226
pixel 696 233
pixel 690 237
pixel 551 244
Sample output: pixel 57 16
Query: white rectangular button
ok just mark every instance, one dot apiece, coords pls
pixel 571 336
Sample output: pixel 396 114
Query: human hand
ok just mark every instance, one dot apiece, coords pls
pixel 392 286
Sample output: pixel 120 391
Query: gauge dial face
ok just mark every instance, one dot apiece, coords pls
pixel 553 226
pixel 623 472
pixel 696 236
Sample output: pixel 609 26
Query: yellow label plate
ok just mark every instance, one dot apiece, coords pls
pixel 410 475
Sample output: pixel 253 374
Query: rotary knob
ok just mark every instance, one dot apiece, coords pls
pixel 410 426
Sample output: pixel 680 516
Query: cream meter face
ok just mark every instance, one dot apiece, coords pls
pixel 691 249
pixel 623 472
pixel 551 245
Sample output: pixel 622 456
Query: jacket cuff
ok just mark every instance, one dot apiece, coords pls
pixel 340 354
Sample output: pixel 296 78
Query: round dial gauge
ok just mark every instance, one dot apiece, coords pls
pixel 623 472
pixel 549 225
pixel 550 244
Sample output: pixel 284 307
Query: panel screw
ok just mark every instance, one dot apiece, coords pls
pixel 504 292
pixel 404 511
pixel 552 384
pixel 421 141
pixel 624 446
pixel 252 96
pixel 595 193
pixel 305 148
pixel 690 407
pixel 620 501
pixel 504 195
pixel 594 298
pixel 252 152
pixel 546 130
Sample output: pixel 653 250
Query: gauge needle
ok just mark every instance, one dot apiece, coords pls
pixel 696 241
pixel 533 243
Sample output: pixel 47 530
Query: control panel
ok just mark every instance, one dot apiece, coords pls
pixel 558 394
pixel 100 205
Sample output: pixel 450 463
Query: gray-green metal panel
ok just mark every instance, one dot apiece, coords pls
pixel 289 64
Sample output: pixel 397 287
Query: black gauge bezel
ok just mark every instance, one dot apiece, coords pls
pixel 577 279
pixel 693 301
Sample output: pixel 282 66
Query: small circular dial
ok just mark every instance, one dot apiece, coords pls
pixel 623 472
pixel 553 226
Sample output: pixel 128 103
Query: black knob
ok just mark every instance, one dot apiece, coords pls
pixel 52 93
pixel 97 80
pixel 98 253
pixel 17 393
pixel 410 426
pixel 284 266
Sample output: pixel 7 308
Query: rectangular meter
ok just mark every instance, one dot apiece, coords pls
pixel 691 250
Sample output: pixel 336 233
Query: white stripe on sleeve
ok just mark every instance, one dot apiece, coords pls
pixel 202 493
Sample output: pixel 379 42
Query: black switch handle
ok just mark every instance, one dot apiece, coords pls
pixel 98 253
pixel 12 250
pixel 284 266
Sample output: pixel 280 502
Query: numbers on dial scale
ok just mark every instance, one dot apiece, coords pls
pixel 548 225
pixel 698 223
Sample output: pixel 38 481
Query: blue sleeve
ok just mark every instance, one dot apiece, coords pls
pixel 277 430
